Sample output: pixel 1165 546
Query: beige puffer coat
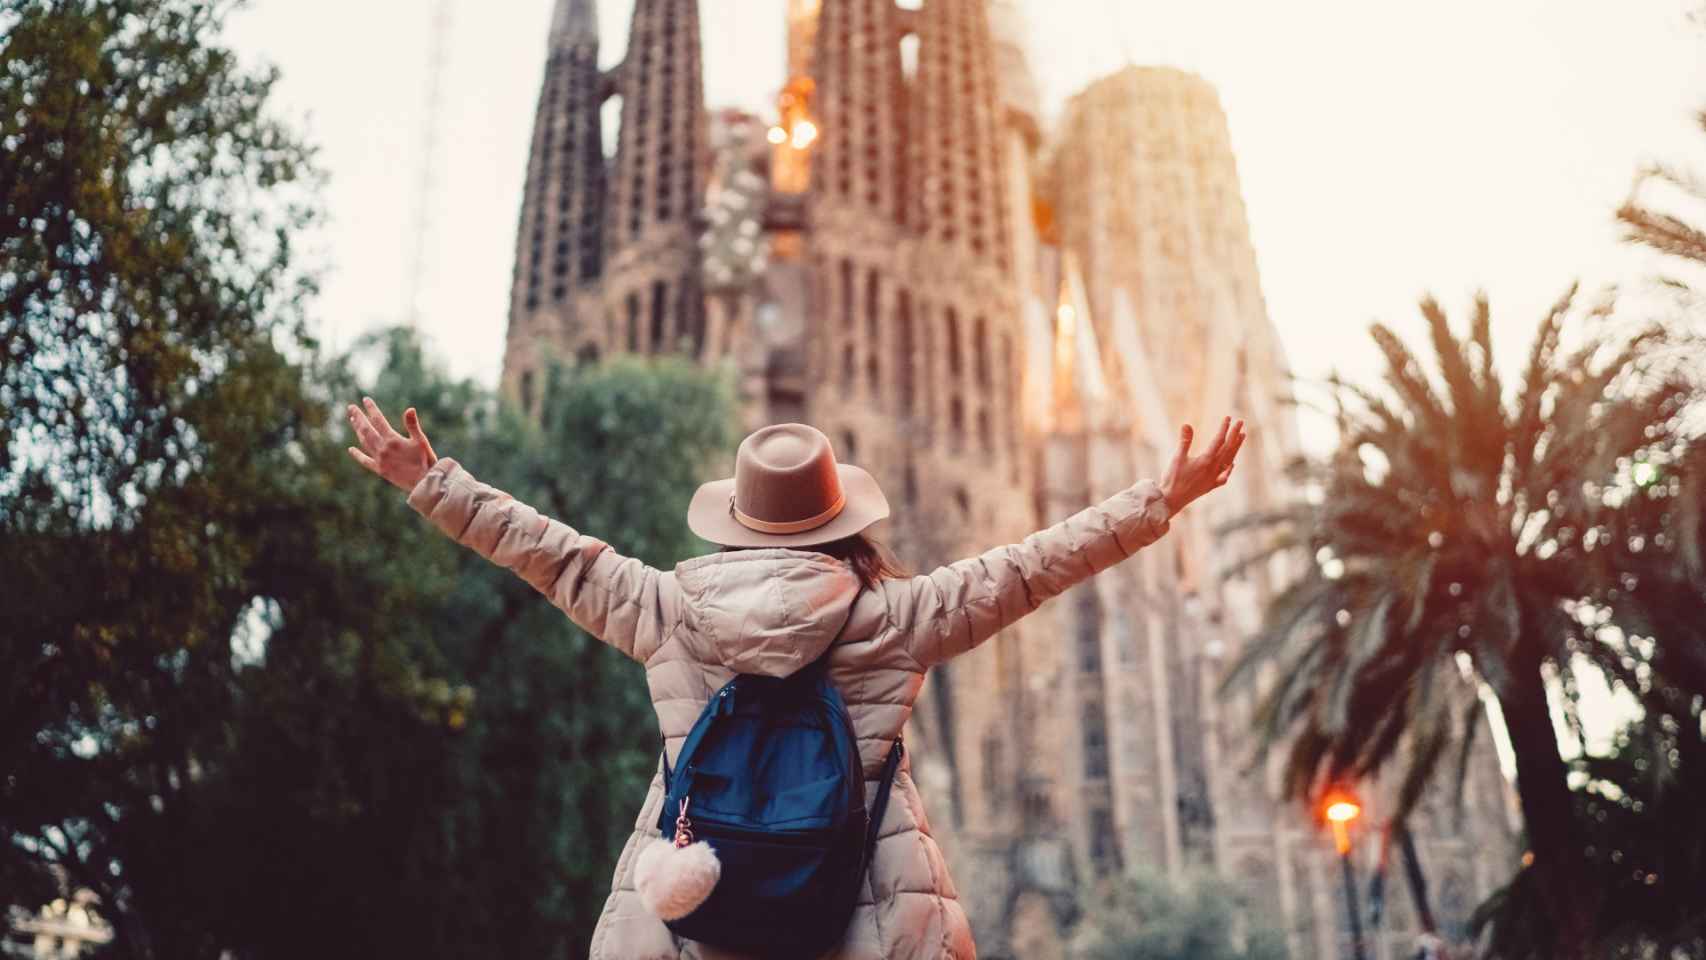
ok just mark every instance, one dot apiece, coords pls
pixel 772 611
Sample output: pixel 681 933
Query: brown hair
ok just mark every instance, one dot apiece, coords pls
pixel 869 557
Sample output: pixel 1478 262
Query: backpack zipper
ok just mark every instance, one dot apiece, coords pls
pixel 683 826
pixel 821 838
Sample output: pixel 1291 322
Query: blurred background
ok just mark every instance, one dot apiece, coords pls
pixel 1425 680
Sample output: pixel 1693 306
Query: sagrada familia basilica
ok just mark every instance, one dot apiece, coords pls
pixel 1004 319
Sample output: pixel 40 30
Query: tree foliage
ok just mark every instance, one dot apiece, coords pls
pixel 1148 917
pixel 1530 533
pixel 1640 811
pixel 251 699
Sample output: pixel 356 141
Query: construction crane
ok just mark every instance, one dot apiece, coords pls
pixel 421 222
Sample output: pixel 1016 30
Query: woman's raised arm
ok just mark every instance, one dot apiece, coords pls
pixel 955 607
pixel 612 597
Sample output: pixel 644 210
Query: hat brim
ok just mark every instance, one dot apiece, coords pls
pixel 709 515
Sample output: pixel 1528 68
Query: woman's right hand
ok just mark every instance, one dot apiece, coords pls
pixel 401 460
pixel 1190 477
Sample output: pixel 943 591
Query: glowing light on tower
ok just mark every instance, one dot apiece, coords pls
pixel 792 136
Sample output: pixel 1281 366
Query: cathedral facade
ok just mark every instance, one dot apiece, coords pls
pixel 1004 320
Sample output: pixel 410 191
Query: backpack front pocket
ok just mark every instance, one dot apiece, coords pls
pixel 780 892
pixel 807 804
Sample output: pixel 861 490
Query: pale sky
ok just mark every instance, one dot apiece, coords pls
pixel 1385 149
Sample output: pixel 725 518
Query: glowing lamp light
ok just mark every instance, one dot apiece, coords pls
pixel 804 133
pixel 777 135
pixel 1340 811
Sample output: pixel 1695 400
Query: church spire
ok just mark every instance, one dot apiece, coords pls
pixel 559 241
pixel 657 185
pixel 574 21
pixel 859 98
pixel 955 124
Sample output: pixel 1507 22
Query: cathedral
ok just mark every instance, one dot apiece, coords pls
pixel 1004 319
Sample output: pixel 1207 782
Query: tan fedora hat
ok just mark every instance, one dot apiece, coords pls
pixel 787 491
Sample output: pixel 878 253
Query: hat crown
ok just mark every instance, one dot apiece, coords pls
pixel 786 473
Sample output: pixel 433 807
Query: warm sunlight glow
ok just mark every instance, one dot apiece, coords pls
pixel 804 133
pixel 777 135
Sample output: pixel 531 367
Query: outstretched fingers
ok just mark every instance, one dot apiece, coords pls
pixel 377 416
pixel 365 434
pixel 1230 452
pixel 371 464
pixel 1218 447
pixel 412 422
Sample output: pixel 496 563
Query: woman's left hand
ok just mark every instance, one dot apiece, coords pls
pixel 1190 477
pixel 401 460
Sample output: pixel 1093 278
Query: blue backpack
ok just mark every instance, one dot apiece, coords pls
pixel 770 777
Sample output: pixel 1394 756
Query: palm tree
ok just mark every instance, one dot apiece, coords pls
pixel 1456 525
pixel 1666 231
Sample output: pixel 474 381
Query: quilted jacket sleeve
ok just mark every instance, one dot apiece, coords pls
pixel 615 598
pixel 955 607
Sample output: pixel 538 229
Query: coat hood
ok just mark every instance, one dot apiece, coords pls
pixel 770 610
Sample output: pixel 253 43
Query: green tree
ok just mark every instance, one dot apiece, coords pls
pixel 251 699
pixel 478 802
pixel 1456 522
pixel 1148 917
pixel 148 297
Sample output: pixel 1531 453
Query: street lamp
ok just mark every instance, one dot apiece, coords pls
pixel 1340 810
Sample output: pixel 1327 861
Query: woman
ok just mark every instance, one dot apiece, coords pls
pixel 789 592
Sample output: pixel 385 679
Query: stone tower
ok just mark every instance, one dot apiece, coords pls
pixel 652 291
pixel 559 249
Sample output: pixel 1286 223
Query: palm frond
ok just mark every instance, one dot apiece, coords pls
pixel 1662 232
pixel 1431 735
pixel 1296 515
pixel 1369 635
pixel 1525 432
pixel 1473 720
pixel 1279 544
pixel 1480 430
pixel 1410 382
pixel 1295 605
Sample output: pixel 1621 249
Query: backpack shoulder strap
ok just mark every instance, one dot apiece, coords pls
pixel 811 672
pixel 880 804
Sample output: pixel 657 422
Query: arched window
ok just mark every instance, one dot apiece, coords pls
pixel 953 335
pixel 873 311
pixel 848 364
pixel 633 304
pixel 980 352
pixel 659 305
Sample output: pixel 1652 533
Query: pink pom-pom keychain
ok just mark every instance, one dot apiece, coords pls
pixel 674 877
